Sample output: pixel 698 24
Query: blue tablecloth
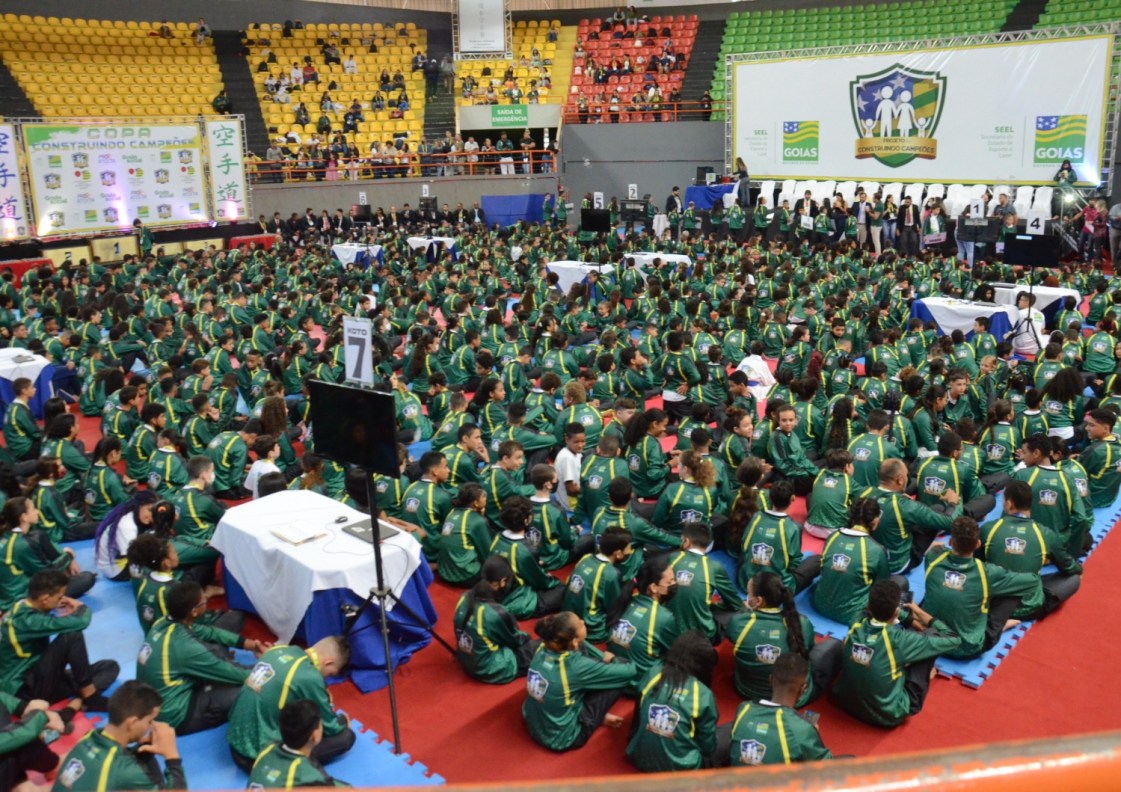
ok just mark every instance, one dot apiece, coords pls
pixel 959 315
pixel 703 196
pixel 44 389
pixel 367 656
pixel 505 210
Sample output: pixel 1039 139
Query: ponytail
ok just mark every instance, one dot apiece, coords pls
pixel 769 588
pixel 649 574
pixel 864 512
pixel 558 629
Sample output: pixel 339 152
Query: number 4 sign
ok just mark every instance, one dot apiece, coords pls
pixel 1037 222
pixel 357 334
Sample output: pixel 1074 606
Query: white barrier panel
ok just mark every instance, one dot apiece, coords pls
pixel 228 194
pixel 101 176
pixel 482 25
pixel 14 222
pixel 996 113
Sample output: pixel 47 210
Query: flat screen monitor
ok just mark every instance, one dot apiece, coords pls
pixel 355 426
pixel 597 221
pixel 1029 250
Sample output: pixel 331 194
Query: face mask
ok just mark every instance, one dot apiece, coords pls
pixel 671 592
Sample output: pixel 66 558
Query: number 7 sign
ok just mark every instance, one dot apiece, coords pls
pixel 357 334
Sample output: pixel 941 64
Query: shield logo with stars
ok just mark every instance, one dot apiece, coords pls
pixel 896 113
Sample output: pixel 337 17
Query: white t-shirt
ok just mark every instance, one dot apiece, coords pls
pixel 110 561
pixel 567 465
pixel 258 469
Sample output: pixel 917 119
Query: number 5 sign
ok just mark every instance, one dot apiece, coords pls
pixel 357 334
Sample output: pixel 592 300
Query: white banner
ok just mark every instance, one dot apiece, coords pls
pixel 101 176
pixel 228 195
pixel 14 222
pixel 996 113
pixel 482 25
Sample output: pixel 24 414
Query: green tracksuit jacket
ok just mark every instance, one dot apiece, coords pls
pixel 555 688
pixel 766 733
pixel 851 562
pixel 282 674
pixel 174 660
pixel 870 685
pixel 644 633
pixel 487 637
pixel 674 726
pixel 98 763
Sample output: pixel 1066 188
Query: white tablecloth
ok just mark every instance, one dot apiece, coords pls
pixel 1045 296
pixel 952 314
pixel 570 272
pixel 280 578
pixel 16 363
pixel 422 243
pixel 349 252
pixel 661 224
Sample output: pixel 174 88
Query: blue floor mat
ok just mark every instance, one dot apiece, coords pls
pixel 419 448
pixel 970 672
pixel 115 634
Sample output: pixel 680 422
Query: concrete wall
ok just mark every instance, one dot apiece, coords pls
pixel 288 198
pixel 608 157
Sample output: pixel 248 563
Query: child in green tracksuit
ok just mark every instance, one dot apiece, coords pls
pixel 705 597
pixel 489 645
pixel 976 599
pixel 281 766
pixel 770 730
pixel 595 584
pixel 570 685
pixel 675 719
pixel 885 668
pixel 787 454
pixel 198 688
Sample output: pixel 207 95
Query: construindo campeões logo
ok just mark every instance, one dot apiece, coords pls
pixel 896 113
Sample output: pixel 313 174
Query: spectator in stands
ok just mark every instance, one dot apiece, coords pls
pixel 202 32
pixel 706 106
pixel 302 116
pixel 350 65
pixel 281 96
pixel 329 105
pixel 419 60
pixel 432 77
pixel 447 73
pixel 164 30
pixel 222 103
pixel 296 75
pixel 310 75
pixel 331 55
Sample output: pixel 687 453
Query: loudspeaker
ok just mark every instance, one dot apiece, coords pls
pixel 702 174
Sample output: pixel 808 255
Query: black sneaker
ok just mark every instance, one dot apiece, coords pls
pixel 104 673
pixel 98 702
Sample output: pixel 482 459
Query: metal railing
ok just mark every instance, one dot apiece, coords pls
pixel 601 112
pixel 404 165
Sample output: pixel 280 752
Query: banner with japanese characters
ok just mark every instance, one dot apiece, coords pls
pixel 228 194
pixel 14 222
pixel 96 177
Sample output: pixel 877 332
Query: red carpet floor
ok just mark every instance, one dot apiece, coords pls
pixel 1055 682
pixel 1059 680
